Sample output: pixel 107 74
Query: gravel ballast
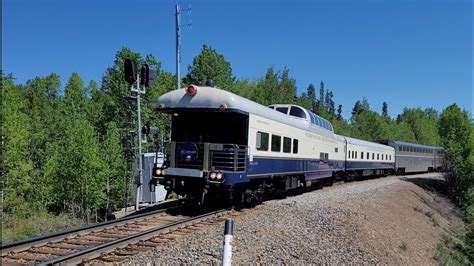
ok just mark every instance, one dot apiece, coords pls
pixel 387 220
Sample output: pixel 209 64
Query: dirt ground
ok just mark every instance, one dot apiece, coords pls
pixel 403 223
pixel 393 220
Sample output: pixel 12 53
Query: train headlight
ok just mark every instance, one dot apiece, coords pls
pixel 212 175
pixel 219 176
pixel 158 172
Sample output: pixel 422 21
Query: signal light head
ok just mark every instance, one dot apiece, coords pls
pixel 191 90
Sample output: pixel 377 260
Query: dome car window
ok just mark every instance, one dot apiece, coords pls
pixel 282 110
pixel 298 112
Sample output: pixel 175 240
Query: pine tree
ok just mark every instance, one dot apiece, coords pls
pixel 339 112
pixel 322 99
pixel 385 110
pixel 311 92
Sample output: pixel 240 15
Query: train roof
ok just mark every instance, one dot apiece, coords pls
pixel 213 98
pixel 304 113
pixel 408 144
pixel 365 143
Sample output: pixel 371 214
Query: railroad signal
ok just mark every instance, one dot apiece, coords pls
pixel 147 75
pixel 130 71
pixel 144 75
pixel 147 130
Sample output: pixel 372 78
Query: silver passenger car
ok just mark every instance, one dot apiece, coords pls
pixel 411 158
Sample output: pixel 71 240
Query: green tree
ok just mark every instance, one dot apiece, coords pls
pixel 77 168
pixel 322 100
pixel 210 65
pixel 385 110
pixel 339 112
pixel 311 93
pixel 421 125
pixel 455 130
pixel 18 185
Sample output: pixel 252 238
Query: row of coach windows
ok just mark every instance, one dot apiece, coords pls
pixel 353 155
pixel 263 141
pixel 413 149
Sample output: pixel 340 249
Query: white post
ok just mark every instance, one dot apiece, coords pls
pixel 228 242
pixel 139 132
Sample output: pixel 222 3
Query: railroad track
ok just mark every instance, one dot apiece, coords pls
pixel 107 242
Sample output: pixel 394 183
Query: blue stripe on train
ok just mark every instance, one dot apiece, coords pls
pixel 312 169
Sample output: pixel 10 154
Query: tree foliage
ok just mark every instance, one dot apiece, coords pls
pixel 210 65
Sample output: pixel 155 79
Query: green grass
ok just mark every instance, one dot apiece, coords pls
pixel 14 228
pixel 453 251
pixel 403 246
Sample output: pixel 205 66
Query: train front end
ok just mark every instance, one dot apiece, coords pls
pixel 207 151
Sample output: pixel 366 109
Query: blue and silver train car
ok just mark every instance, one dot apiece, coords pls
pixel 412 158
pixel 224 144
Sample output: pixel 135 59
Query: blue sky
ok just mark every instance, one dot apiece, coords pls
pixel 414 53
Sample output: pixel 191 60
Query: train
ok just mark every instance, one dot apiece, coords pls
pixel 226 148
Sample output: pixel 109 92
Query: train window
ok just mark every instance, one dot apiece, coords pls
pixel 298 112
pixel 368 156
pixel 318 121
pixel 286 145
pixel 262 141
pixel 324 157
pixel 362 155
pixel 295 146
pixel 271 107
pixel 373 155
pixel 336 149
pixel 276 143
pixel 400 148
pixel 311 115
pixel 282 110
pixel 355 154
pixel 386 157
pixel 377 156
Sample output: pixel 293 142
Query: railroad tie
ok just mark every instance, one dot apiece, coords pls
pixel 112 258
pixel 66 246
pixel 125 252
pixel 29 256
pixel 52 251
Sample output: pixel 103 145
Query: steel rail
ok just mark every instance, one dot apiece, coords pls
pixel 26 244
pixel 96 251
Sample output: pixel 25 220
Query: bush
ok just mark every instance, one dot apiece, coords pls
pixel 17 228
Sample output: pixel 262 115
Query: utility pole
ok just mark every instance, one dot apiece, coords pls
pixel 178 43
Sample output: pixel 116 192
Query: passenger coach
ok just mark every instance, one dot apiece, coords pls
pixel 223 145
pixel 412 158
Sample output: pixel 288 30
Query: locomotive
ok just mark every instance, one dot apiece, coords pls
pixel 224 147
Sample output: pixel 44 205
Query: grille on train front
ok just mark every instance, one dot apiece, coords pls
pixel 220 157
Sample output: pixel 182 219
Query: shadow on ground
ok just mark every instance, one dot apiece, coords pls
pixel 434 185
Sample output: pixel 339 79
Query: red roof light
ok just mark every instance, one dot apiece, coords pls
pixel 191 90
pixel 222 107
